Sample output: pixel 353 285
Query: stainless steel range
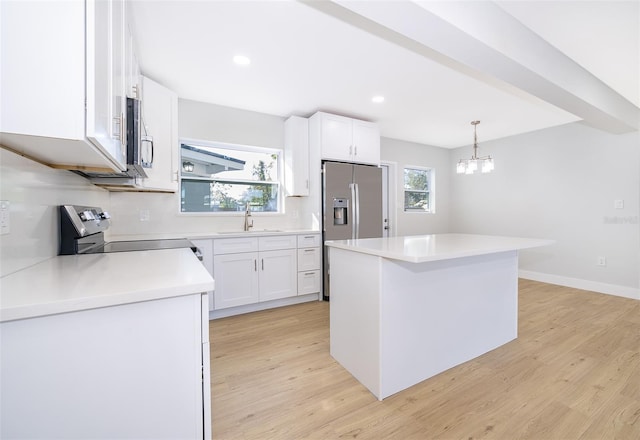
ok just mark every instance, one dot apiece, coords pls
pixel 82 232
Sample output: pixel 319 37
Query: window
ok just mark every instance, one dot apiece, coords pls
pixel 219 177
pixel 418 189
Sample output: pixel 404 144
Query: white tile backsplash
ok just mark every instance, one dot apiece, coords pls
pixel 34 192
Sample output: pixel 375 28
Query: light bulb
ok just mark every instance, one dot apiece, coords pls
pixel 487 165
pixel 461 168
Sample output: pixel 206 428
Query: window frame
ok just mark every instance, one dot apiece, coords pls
pixel 279 180
pixel 430 191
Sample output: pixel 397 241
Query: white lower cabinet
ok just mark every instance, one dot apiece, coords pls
pixel 308 282
pixel 256 269
pixel 309 264
pixel 137 370
pixel 278 274
pixel 236 277
pixel 251 277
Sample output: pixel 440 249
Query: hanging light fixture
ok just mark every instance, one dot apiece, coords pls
pixel 470 166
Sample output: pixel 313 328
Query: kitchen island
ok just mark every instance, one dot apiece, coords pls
pixel 404 309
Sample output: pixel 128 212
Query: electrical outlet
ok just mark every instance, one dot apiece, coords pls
pixel 602 261
pixel 5 217
pixel 618 204
pixel 144 215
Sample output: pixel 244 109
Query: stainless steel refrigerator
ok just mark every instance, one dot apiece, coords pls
pixel 351 204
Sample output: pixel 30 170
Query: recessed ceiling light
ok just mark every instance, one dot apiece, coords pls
pixel 377 99
pixel 241 60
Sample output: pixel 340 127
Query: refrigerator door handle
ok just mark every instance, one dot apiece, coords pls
pixel 354 212
pixel 357 210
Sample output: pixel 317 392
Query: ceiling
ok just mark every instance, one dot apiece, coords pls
pixel 517 66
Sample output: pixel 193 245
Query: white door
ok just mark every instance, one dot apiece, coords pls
pixel 278 274
pixel 236 277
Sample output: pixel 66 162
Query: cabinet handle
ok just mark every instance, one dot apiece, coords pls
pixel 309 236
pixel 255 265
pixel 307 184
pixel 309 250
pixel 123 138
pixel 117 123
pixel 350 149
pixel 309 273
pixel 262 263
pixel 355 150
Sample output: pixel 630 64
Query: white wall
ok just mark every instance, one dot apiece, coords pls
pixel 403 154
pixel 560 183
pixel 34 192
pixel 209 122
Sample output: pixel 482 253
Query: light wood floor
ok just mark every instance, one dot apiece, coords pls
pixel 573 373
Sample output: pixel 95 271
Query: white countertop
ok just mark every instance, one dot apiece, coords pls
pixel 434 247
pixel 207 235
pixel 79 282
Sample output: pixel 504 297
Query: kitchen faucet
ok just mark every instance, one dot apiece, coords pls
pixel 247 214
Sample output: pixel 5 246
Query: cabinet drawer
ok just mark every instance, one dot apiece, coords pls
pixel 235 245
pixel 308 282
pixel 308 259
pixel 275 242
pixel 308 240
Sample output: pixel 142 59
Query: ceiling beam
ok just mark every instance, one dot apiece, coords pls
pixel 482 40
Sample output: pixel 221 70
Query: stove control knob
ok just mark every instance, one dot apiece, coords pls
pixel 105 215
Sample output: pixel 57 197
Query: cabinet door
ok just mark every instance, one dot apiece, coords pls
pixel 110 379
pixel 308 282
pixel 236 277
pixel 278 274
pixel 308 259
pixel 132 70
pixel 308 240
pixel 366 142
pixel 277 242
pixel 159 114
pixel 41 95
pixel 106 105
pixel 296 156
pixel 336 139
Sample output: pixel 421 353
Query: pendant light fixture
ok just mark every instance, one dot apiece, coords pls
pixel 470 166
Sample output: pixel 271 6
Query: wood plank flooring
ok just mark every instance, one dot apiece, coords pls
pixel 573 373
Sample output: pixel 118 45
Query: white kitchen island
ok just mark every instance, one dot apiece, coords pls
pixel 404 309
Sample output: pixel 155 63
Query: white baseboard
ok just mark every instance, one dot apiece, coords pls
pixel 594 286
pixel 232 311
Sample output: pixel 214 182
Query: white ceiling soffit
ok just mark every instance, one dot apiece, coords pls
pixel 481 39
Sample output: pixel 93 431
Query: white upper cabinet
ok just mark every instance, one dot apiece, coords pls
pixel 366 142
pixel 296 156
pixel 345 139
pixel 55 56
pixel 132 67
pixel 160 121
